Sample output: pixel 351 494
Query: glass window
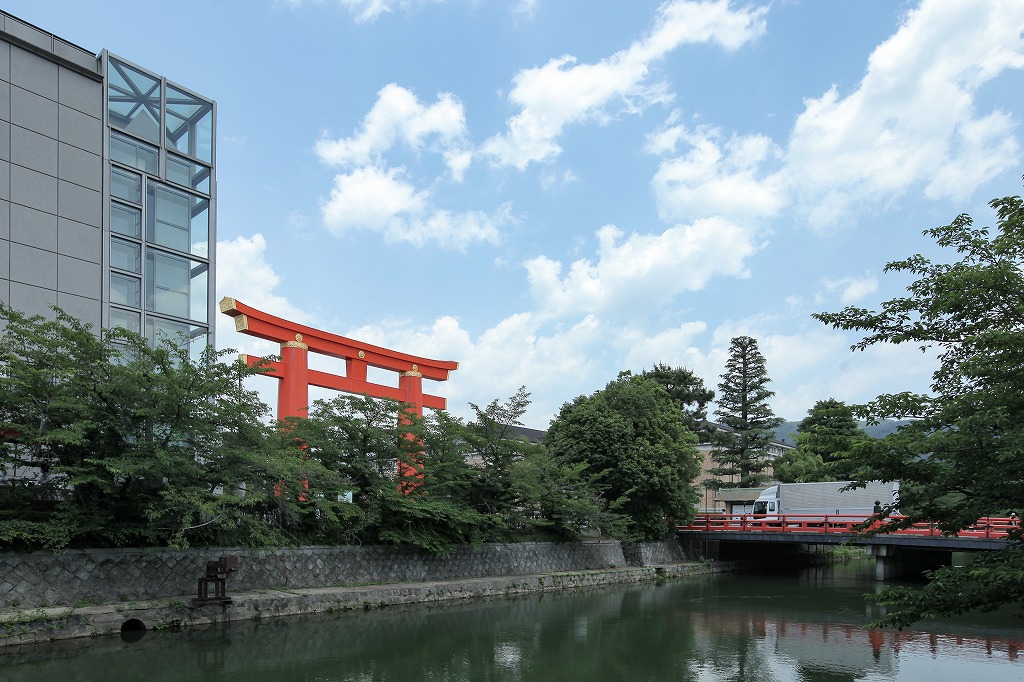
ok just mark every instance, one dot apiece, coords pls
pixel 177 220
pixel 126 220
pixel 125 185
pixel 125 289
pixel 189 124
pixel 176 286
pixel 125 255
pixel 188 173
pixel 133 101
pixel 127 319
pixel 199 225
pixel 134 154
pixel 159 330
pixel 168 220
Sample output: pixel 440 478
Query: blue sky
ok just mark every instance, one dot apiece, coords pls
pixel 551 191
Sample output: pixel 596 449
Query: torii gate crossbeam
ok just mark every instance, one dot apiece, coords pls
pixel 297 341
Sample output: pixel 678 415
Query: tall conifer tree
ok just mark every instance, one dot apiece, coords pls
pixel 742 448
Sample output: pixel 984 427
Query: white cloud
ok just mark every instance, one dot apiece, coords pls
pixel 370 198
pixel 665 140
pixel 557 362
pixel 379 200
pixel 456 229
pixel 717 176
pixel 554 366
pixel 563 91
pixel 371 10
pixel 526 7
pixel 641 272
pixel 243 273
pixel 398 116
pixel 551 179
pixel 808 362
pixel 674 346
pixel 912 119
pixel 852 377
pixel 850 289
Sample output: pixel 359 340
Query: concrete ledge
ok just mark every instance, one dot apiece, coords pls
pixel 57 623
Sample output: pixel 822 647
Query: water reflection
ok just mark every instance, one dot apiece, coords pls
pixel 785 627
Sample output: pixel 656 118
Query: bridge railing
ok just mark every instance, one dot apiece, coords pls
pixel 986 528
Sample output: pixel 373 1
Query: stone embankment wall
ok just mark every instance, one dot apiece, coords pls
pixel 109 575
pixel 129 618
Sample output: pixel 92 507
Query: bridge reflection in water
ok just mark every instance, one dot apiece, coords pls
pixel 806 625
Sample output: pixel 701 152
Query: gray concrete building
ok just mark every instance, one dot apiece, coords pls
pixel 108 189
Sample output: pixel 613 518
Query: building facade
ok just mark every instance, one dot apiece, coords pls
pixel 108 189
pixel 726 496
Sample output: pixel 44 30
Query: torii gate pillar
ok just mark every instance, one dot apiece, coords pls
pixel 293 393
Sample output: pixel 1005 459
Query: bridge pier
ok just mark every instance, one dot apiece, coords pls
pixel 893 561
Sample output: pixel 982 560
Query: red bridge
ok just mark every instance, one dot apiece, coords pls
pixel 906 550
pixel 991 528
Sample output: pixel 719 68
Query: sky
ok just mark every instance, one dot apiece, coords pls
pixel 552 191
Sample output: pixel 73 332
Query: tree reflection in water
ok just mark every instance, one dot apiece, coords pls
pixel 806 626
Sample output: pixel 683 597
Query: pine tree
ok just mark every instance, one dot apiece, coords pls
pixel 742 447
pixel 688 391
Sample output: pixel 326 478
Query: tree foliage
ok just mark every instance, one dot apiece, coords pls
pixel 689 393
pixel 632 438
pixel 112 442
pixel 524 490
pixel 742 448
pixel 962 455
pixel 824 440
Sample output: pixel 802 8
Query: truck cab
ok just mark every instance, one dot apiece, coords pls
pixel 768 501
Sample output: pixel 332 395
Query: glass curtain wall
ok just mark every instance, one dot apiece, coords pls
pixel 161 170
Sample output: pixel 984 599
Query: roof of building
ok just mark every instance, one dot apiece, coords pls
pixel 532 435
pixel 738 494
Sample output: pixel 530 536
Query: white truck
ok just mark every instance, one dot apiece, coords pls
pixel 828 498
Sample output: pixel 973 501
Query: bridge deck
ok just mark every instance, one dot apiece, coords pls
pixel 987 534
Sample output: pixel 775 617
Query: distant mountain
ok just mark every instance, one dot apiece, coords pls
pixel 784 434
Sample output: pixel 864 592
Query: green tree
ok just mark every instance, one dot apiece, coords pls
pixel 742 448
pixel 960 458
pixel 495 443
pixel 633 438
pixel 523 492
pixel 129 444
pixel 363 440
pixel 688 391
pixel 824 440
pixel 800 466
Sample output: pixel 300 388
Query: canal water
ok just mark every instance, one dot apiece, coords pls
pixel 806 626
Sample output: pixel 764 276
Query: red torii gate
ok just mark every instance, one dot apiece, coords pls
pixel 297 341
